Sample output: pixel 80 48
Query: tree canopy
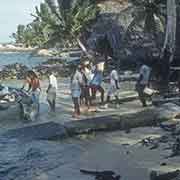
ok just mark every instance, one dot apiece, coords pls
pixel 58 21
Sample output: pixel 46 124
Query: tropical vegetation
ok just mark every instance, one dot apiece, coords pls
pixel 58 22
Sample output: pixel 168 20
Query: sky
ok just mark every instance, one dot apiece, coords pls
pixel 12 13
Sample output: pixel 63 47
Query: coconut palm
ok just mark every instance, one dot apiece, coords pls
pixel 170 36
pixel 72 18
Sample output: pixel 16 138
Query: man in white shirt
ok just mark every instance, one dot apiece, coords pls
pixel 51 91
pixel 76 84
pixel 114 86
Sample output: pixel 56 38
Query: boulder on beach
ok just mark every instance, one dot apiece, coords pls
pixel 168 111
pixel 44 52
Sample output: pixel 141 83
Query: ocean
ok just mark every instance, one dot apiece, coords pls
pixel 25 58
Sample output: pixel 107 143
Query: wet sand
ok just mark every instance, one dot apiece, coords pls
pixel 54 160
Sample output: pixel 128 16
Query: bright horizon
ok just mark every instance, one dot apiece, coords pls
pixel 12 13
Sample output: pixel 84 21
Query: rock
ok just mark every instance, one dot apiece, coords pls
pixel 45 131
pixel 13 71
pixel 167 111
pixel 44 52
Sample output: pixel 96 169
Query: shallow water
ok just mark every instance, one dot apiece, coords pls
pixel 25 58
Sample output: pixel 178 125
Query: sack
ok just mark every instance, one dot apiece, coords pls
pixel 148 91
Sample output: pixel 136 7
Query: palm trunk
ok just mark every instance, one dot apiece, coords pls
pixel 82 46
pixel 170 37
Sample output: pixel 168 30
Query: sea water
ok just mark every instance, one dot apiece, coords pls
pixel 25 58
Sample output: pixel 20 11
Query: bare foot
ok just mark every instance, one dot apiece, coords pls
pixel 76 116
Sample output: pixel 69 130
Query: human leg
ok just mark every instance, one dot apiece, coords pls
pixel 76 106
pixel 101 90
pixel 142 95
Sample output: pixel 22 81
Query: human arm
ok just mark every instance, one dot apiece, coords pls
pixel 116 79
pixel 117 85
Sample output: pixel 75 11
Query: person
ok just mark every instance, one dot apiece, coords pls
pixel 114 86
pixel 51 91
pixel 142 83
pixel 96 82
pixel 87 77
pixel 33 83
pixel 75 86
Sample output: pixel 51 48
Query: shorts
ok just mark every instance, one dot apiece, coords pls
pixel 35 96
pixel 76 93
pixel 51 94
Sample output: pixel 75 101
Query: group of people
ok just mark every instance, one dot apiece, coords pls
pixel 32 83
pixel 86 81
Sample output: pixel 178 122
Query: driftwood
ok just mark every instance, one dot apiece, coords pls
pixel 175 175
pixel 102 175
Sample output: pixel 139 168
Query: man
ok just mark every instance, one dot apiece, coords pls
pixel 114 86
pixel 51 92
pixel 87 77
pixel 76 84
pixel 96 83
pixel 4 91
pixel 143 82
pixel 33 83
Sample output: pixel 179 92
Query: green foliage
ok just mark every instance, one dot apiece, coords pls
pixel 57 21
pixel 73 17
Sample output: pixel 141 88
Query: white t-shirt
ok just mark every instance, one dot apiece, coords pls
pixel 4 91
pixel 113 77
pixel 75 84
pixel 53 81
pixel 145 73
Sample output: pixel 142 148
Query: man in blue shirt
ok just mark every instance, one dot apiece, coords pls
pixel 96 84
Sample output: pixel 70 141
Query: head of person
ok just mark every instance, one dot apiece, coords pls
pixel 28 75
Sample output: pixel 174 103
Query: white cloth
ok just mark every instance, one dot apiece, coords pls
pixel 145 73
pixel 53 81
pixel 112 88
pixel 114 77
pixel 76 81
pixel 4 91
pixel 89 75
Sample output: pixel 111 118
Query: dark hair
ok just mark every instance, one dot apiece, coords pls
pixel 31 73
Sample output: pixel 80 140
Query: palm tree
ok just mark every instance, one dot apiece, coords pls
pixel 72 18
pixel 170 36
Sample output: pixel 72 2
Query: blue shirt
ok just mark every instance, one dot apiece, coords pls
pixel 97 79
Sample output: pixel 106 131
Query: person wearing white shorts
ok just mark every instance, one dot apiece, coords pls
pixel 76 84
pixel 114 86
